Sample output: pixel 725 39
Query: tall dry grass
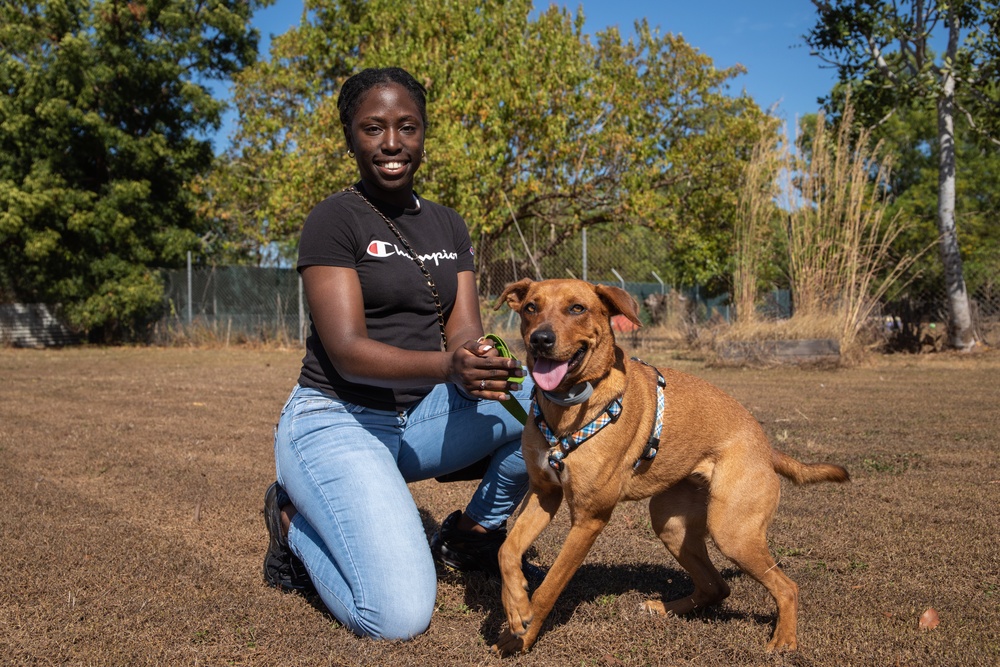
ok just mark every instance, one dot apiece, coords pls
pixel 219 334
pixel 841 261
pixel 751 234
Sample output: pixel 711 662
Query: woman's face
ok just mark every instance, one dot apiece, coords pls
pixel 387 137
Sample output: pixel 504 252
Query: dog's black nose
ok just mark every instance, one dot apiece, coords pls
pixel 542 340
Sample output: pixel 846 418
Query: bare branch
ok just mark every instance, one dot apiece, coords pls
pixel 527 249
pixel 975 127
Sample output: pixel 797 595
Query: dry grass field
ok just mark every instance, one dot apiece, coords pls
pixel 132 478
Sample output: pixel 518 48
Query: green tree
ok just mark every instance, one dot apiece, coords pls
pixel 910 134
pixel 884 51
pixel 536 131
pixel 104 121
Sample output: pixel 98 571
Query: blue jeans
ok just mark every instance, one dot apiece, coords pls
pixel 358 530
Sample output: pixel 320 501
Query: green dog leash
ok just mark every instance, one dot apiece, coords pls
pixel 511 404
pixel 478 469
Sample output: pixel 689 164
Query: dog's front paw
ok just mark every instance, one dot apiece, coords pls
pixel 512 643
pixel 509 644
pixel 517 605
pixel 518 621
pixel 784 642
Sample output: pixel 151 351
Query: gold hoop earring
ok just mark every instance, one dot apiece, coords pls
pixel 350 154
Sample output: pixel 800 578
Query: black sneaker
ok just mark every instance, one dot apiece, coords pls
pixel 469 551
pixel 282 569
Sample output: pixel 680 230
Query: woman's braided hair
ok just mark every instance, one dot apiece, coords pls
pixel 355 88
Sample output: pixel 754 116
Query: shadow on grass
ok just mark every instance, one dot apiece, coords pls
pixel 593 582
pixel 589 584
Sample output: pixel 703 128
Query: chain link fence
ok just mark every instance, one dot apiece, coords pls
pixel 919 319
pixel 236 304
pixel 233 304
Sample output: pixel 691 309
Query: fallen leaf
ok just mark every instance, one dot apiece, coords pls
pixel 929 619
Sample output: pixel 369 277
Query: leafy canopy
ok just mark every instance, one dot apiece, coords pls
pixel 893 62
pixel 910 134
pixel 904 57
pixel 536 132
pixel 103 120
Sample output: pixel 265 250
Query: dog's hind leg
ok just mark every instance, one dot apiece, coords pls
pixel 679 517
pixel 738 518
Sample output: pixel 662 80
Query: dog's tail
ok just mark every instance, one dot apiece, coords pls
pixel 807 473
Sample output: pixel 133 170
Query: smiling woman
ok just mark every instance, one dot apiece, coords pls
pixel 384 130
pixel 397 385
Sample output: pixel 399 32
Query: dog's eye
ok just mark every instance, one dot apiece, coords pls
pixel 577 309
pixel 529 307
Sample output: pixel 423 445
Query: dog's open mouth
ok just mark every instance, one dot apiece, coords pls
pixel 549 373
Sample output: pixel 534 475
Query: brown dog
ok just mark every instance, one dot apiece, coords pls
pixel 711 473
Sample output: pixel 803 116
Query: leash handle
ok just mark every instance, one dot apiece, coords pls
pixel 511 404
pixel 504 351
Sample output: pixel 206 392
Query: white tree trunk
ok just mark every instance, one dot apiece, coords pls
pixel 960 331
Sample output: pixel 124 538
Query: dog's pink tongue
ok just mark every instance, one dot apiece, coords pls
pixel 548 373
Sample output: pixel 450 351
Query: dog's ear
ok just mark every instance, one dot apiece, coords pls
pixel 513 294
pixel 619 302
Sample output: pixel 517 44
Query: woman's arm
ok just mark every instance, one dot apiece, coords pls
pixel 337 307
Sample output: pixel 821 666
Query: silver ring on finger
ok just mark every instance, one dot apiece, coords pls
pixel 482 385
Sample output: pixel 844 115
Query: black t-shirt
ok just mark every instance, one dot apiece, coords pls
pixel 343 231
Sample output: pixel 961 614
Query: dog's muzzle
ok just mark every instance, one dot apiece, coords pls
pixel 542 341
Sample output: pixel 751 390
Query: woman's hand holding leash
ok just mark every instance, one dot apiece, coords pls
pixel 487 370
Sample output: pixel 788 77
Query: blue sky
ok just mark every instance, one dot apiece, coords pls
pixel 765 37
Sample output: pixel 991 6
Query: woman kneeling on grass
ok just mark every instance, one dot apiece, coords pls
pixel 396 386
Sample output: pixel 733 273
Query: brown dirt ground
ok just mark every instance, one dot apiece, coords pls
pixel 133 481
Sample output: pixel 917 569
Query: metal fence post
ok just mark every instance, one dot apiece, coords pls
pixel 620 279
pixel 663 290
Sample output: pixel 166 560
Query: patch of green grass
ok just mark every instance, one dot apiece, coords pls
pixel 819 566
pixel 248 636
pixel 781 552
pixel 892 464
pixel 461 609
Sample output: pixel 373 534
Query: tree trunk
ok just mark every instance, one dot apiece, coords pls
pixel 960 331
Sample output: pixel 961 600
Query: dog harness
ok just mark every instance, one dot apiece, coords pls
pixel 559 448
pixel 653 444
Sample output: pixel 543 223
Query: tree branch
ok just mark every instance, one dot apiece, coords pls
pixel 974 127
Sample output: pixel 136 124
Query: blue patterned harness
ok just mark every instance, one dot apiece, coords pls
pixel 559 448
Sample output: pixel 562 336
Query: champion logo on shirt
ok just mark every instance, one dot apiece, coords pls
pixel 384 249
